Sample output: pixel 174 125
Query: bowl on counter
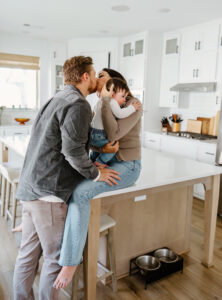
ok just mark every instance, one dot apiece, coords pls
pixel 147 263
pixel 22 121
pixel 166 255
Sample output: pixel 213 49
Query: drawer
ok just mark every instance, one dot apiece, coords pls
pixel 206 153
pixel 152 141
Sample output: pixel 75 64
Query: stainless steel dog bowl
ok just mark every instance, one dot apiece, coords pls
pixel 147 263
pixel 166 255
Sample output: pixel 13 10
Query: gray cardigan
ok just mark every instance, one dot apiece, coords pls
pixel 57 156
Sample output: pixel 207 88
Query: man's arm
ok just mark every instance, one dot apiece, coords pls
pixel 75 133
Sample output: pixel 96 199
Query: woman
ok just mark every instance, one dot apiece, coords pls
pixel 126 162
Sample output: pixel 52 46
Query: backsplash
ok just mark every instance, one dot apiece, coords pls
pixel 193 105
pixel 8 115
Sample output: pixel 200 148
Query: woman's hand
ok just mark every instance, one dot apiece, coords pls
pixel 110 147
pixel 106 93
pixel 109 176
pixel 137 105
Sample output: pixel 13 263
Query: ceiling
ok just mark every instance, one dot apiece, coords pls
pixel 65 19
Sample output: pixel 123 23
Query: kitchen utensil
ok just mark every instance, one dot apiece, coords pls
pixel 22 121
pixel 194 126
pixel 212 124
pixel 166 255
pixel 205 125
pixel 147 262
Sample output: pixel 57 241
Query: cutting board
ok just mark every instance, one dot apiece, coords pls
pixel 194 126
pixel 217 123
pixel 205 125
pixel 212 125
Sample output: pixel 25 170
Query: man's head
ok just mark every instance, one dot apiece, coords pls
pixel 79 71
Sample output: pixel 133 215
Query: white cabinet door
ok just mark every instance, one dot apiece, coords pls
pixel 179 146
pixel 152 141
pixel 169 77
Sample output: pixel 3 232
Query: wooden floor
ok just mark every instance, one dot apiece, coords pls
pixel 196 282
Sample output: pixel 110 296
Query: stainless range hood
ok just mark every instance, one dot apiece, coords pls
pixel 199 87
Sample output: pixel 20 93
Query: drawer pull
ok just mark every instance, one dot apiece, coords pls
pixel 153 141
pixel 209 153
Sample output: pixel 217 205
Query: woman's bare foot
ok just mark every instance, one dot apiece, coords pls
pixel 17 228
pixel 65 277
pixel 100 165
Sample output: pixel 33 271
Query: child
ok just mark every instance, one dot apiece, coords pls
pixel 98 136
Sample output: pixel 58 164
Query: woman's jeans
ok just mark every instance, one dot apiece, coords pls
pixel 76 226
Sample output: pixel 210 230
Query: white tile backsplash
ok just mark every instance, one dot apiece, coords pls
pixel 193 105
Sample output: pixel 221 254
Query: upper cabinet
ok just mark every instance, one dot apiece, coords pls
pixel 198 57
pixel 132 60
pixel 169 70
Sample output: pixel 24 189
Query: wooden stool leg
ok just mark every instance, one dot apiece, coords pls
pixel 75 282
pixel 14 204
pixel 112 260
pixel 3 196
pixel 7 198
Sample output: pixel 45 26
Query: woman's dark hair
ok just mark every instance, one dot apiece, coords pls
pixel 114 74
pixel 118 83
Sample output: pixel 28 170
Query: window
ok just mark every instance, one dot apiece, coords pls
pixel 18 81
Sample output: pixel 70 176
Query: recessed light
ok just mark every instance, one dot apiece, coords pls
pixel 26 25
pixel 120 8
pixel 164 10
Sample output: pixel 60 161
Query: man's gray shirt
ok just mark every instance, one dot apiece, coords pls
pixel 57 156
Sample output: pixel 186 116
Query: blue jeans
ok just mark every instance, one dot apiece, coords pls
pixel 98 138
pixel 76 226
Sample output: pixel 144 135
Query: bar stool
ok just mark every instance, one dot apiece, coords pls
pixel 106 229
pixel 10 177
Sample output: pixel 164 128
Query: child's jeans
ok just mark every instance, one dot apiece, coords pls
pixel 98 138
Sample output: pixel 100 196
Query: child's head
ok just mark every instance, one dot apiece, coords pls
pixel 121 89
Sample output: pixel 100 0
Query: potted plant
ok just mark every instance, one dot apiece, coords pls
pixel 176 120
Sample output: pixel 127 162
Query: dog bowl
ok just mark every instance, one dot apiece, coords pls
pixel 166 255
pixel 147 263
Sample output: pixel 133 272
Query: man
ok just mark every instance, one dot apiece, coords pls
pixel 55 162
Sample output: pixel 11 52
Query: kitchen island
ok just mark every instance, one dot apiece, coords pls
pixel 155 212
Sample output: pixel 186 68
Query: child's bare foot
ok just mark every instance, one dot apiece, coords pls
pixel 100 165
pixel 17 228
pixel 65 277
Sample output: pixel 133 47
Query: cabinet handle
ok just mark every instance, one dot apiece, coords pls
pixel 199 43
pixel 193 72
pixel 195 46
pixel 217 97
pixel 209 153
pixel 197 72
pixel 177 49
pixel 153 141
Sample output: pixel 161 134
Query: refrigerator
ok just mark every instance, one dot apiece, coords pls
pixel 219 159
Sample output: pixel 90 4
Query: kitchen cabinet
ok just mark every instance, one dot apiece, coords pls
pixel 169 70
pixel 132 59
pixel 179 146
pixel 152 141
pixel 206 152
pixel 198 58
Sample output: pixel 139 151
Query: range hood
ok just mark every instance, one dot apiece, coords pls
pixel 200 87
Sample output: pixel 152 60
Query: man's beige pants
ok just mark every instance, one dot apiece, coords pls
pixel 42 231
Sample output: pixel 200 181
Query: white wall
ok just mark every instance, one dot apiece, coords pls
pixel 78 45
pixel 153 113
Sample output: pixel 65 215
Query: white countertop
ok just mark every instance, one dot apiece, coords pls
pixel 158 168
